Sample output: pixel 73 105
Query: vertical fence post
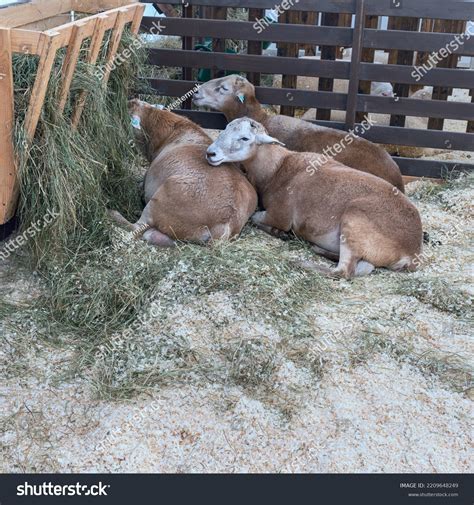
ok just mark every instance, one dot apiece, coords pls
pixel 368 56
pixel 357 41
pixel 403 58
pixel 8 181
pixel 188 45
pixel 327 53
pixel 443 92
pixel 309 18
pixel 291 51
pixel 218 45
pixel 255 46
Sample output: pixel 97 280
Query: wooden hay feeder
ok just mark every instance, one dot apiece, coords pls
pixel 41 27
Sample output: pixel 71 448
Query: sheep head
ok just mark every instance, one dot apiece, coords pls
pixel 224 93
pixel 239 142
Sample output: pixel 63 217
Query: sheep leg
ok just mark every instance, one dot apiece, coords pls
pixel 142 230
pixel 324 252
pixel 262 221
pixel 123 223
pixel 156 238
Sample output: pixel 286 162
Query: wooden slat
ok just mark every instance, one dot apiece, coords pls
pixel 327 53
pixel 255 47
pixel 278 32
pixel 188 46
pixel 94 50
pixel 244 30
pixel 442 93
pixel 8 177
pixel 368 55
pixel 25 41
pixel 138 12
pixel 308 67
pixel 355 65
pixel 470 124
pixel 311 19
pixel 457 9
pixel 289 51
pixel 38 94
pixel 32 12
pixel 403 74
pixel 249 63
pixel 70 62
pixel 63 32
pixel 402 58
pixel 114 43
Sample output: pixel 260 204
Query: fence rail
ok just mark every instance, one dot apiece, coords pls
pixel 408 49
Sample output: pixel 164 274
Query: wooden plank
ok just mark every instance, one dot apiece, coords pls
pixel 114 43
pixel 249 63
pixel 327 53
pixel 255 47
pixel 100 5
pixel 442 93
pixel 303 66
pixel 38 94
pixel 70 62
pixel 403 74
pixel 368 55
pixel 32 12
pixel 403 58
pixel 415 41
pixel 355 65
pixel 94 50
pixel 290 51
pixel 8 175
pixel 138 12
pixel 25 41
pixel 48 23
pixel 458 9
pixel 311 19
pixel 188 46
pixel 244 30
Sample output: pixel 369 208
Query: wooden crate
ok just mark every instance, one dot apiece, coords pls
pixel 41 27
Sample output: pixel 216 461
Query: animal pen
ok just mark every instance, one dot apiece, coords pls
pixel 415 29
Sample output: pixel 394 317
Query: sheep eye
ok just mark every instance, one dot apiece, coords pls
pixel 224 88
pixel 245 139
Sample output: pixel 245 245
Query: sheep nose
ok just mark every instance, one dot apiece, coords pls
pixel 210 154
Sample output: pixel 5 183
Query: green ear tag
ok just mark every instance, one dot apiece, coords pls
pixel 241 97
pixel 136 122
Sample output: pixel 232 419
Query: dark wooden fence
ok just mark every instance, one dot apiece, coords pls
pixel 439 20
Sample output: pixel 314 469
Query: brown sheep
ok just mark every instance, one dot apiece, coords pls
pixel 235 97
pixel 185 199
pixel 348 215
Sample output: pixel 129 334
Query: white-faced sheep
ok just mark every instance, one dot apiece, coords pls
pixel 350 216
pixel 185 199
pixel 235 97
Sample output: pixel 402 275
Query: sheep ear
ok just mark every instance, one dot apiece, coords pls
pixel 263 138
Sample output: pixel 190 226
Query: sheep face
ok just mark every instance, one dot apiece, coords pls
pixel 238 142
pixel 382 89
pixel 219 93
